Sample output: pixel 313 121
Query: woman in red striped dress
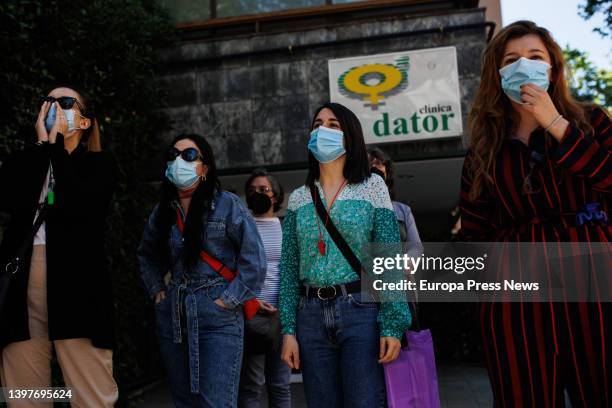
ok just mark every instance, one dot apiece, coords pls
pixel 539 169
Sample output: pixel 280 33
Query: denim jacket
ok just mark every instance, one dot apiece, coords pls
pixel 231 237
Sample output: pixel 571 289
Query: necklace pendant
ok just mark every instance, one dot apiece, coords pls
pixel 321 246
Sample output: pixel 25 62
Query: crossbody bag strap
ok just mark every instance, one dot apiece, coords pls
pixel 14 264
pixel 350 255
pixel 213 262
pixel 335 235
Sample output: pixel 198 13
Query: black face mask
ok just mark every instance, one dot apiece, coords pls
pixel 374 170
pixel 259 203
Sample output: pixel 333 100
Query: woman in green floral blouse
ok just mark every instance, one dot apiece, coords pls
pixel 337 336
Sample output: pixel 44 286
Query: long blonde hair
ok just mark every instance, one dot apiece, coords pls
pixel 492 116
pixel 91 137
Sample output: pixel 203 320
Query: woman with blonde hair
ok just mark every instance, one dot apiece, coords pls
pixel 56 193
pixel 538 169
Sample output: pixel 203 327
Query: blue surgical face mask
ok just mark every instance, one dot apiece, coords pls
pixel 326 144
pixel 70 115
pixel 182 174
pixel 523 71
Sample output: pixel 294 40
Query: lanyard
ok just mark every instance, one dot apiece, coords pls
pixel 51 191
pixel 321 243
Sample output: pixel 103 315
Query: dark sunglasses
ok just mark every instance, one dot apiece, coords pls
pixel 189 155
pixel 65 102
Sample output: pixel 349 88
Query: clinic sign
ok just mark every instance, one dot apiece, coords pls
pixel 403 96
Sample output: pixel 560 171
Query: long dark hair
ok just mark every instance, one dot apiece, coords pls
pixel 200 203
pixel 378 153
pixel 357 165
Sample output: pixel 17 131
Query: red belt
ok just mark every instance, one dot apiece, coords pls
pixel 251 306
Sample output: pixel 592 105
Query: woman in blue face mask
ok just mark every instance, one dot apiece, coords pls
pixel 201 259
pixel 59 297
pixel 539 168
pixel 336 335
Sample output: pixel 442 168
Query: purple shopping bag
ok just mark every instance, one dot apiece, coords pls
pixel 411 380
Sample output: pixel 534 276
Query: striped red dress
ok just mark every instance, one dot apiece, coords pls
pixel 536 350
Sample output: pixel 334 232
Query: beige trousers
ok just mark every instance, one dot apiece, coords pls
pixel 87 370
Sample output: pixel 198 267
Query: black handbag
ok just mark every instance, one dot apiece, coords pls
pixel 262 333
pixel 16 264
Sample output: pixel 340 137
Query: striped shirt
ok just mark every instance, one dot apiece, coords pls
pixel 574 172
pixel 272 237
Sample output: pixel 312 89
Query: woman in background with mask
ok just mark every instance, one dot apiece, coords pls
pixel 262 360
pixel 382 165
pixel 337 337
pixel 60 296
pixel 207 241
pixel 539 169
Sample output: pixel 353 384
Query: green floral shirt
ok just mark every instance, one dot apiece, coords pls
pixel 363 214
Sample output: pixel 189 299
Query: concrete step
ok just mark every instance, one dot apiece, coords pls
pixel 460 387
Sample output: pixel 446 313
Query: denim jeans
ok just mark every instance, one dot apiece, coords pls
pixel 214 336
pixel 339 346
pixel 269 370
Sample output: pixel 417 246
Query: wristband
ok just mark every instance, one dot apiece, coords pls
pixel 553 123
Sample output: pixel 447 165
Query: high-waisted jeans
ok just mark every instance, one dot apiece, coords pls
pixel 201 346
pixel 339 347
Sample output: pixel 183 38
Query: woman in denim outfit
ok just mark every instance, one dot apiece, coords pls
pixel 199 314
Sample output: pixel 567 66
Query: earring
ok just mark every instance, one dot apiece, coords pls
pixel 203 177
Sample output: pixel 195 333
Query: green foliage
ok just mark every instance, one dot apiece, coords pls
pixel 109 49
pixel 587 82
pixel 593 7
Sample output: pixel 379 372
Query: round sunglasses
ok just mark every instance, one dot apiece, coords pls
pixel 189 155
pixel 65 102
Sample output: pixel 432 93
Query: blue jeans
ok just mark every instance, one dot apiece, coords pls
pixel 339 346
pixel 268 369
pixel 202 358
